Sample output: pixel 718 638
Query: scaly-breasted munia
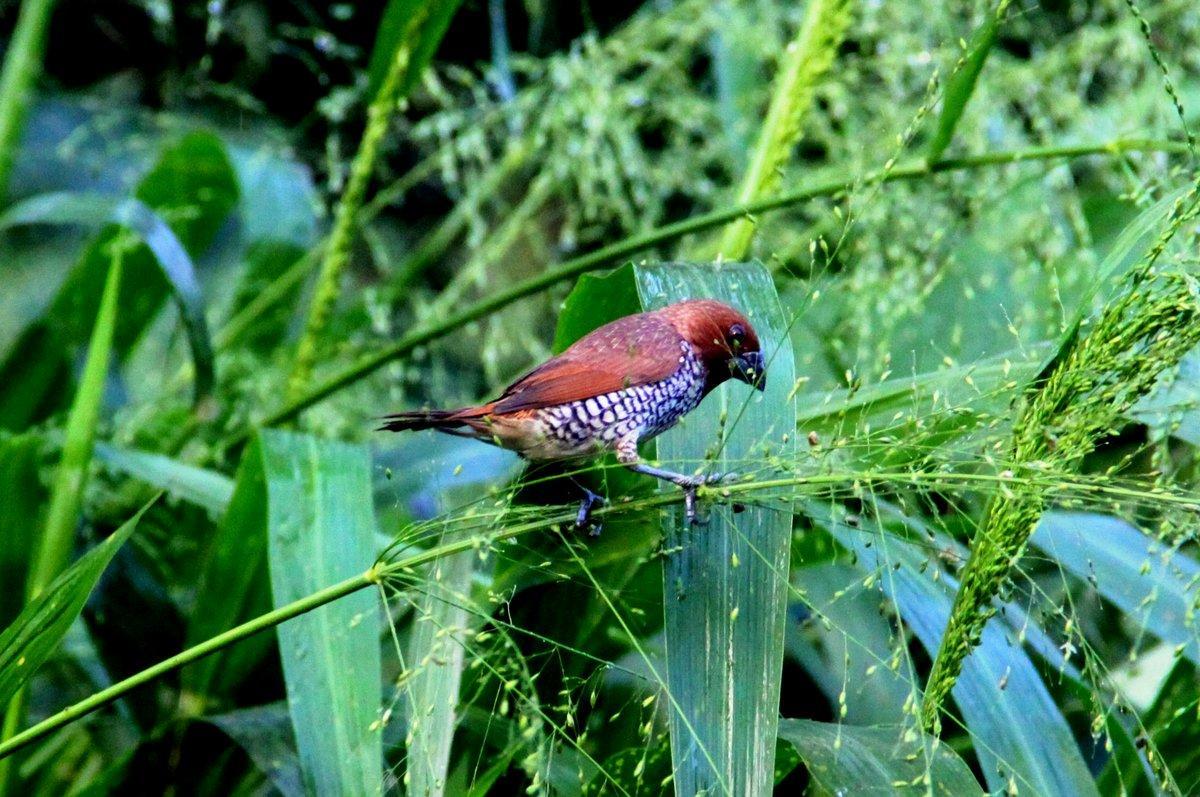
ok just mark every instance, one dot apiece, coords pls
pixel 623 383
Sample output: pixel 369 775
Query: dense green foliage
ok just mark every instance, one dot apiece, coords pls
pixel 960 554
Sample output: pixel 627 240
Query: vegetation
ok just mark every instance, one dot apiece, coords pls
pixel 961 551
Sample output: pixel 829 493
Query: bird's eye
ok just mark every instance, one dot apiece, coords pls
pixel 737 336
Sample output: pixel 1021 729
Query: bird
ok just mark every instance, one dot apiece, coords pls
pixel 621 384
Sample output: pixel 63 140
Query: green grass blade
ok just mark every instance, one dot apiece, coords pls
pixel 54 546
pixel 393 27
pixel 879 759
pixel 234 587
pixel 95 210
pixel 37 631
pixel 22 64
pixel 802 66
pixel 961 84
pixel 725 587
pixel 999 693
pixel 204 488
pixel 725 584
pixel 1129 569
pixel 436 650
pixel 321 530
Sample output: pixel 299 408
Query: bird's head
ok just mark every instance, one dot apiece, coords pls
pixel 724 339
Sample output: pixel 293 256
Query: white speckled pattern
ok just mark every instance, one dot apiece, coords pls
pixel 583 427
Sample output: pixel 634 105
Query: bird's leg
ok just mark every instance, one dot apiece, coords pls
pixel 627 455
pixel 584 518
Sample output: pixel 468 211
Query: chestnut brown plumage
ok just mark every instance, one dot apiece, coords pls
pixel 623 383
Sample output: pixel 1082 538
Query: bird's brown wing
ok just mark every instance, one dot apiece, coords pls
pixel 630 351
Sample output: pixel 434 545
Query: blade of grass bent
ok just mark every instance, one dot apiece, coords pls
pixel 321 530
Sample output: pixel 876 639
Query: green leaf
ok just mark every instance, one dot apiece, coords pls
pixel 178 207
pixel 22 496
pixel 725 584
pixel 961 84
pixel 398 17
pixel 204 488
pixel 234 586
pixel 999 693
pixel 33 636
pixel 321 530
pixel 168 251
pixel 436 648
pixel 66 494
pixel 842 648
pixel 878 759
pixel 1150 582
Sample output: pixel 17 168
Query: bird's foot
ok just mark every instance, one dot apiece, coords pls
pixel 583 519
pixel 690 485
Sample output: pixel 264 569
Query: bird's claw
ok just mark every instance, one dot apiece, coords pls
pixel 689 505
pixel 690 485
pixel 583 519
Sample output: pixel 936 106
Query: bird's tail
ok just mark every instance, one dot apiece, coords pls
pixel 443 420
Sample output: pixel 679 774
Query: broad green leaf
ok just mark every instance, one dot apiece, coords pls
pixel 847 647
pixel 277 202
pixel 1153 583
pixel 725 590
pixel 877 760
pixel 724 584
pixel 397 20
pixel 999 693
pixel 66 494
pixel 320 530
pixel 22 496
pixel 205 488
pixel 435 660
pixel 961 84
pixel 234 586
pixel 30 640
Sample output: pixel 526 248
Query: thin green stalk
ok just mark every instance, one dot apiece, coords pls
pixel 341 237
pixel 805 62
pixel 434 245
pixel 54 546
pixel 265 299
pixel 22 64
pixel 236 634
pixel 854 481
pixel 608 255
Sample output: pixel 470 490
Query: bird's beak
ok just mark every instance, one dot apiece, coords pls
pixel 750 368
